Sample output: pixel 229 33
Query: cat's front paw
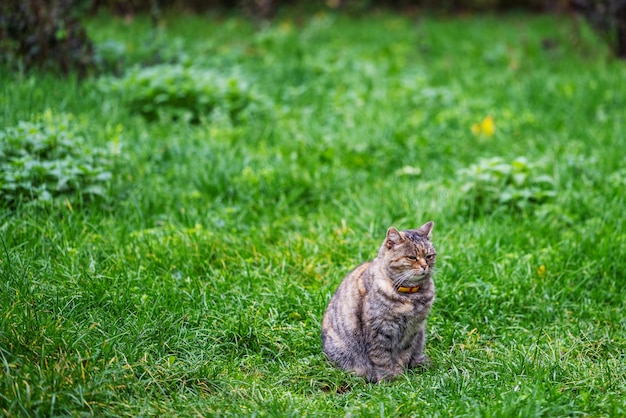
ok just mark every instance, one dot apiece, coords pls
pixel 421 362
pixel 378 375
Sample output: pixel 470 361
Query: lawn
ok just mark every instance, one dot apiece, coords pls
pixel 242 171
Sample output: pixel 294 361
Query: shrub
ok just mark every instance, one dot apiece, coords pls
pixel 47 35
pixel 608 17
pixel 187 93
pixel 44 160
pixel 494 184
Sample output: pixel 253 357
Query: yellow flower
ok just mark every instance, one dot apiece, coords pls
pixel 286 26
pixel 541 271
pixel 486 127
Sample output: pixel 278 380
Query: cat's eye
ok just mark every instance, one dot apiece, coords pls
pixel 430 256
pixel 411 257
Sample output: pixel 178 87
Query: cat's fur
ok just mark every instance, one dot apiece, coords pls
pixel 370 327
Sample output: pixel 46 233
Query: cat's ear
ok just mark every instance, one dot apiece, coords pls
pixel 394 237
pixel 425 230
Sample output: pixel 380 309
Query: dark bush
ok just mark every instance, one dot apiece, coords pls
pixel 45 34
pixel 609 18
pixel 268 8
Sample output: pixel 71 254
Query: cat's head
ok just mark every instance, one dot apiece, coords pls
pixel 409 256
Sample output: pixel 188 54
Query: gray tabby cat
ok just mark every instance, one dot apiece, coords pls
pixel 375 323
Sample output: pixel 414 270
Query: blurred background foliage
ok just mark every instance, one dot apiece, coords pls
pixel 48 34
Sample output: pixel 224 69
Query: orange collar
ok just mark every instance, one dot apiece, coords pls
pixel 412 289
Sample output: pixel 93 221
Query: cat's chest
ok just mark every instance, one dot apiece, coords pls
pixel 404 313
pixel 416 306
pixel 402 332
pixel 423 303
pixel 413 312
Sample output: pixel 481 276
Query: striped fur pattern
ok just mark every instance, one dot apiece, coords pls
pixel 372 329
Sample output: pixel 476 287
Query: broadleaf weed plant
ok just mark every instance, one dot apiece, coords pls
pixel 179 92
pixel 46 159
pixel 493 184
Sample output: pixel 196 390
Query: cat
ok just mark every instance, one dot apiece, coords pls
pixel 375 323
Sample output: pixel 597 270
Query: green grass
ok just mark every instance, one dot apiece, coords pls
pixel 198 287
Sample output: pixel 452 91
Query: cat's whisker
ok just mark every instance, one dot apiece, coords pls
pixel 403 277
pixel 398 282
